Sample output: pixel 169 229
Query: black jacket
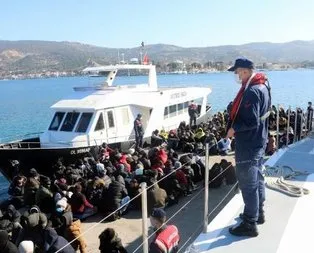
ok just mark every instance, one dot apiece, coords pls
pixel 113 246
pixel 5 245
pixel 54 242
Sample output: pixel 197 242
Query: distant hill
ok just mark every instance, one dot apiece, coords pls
pixel 28 56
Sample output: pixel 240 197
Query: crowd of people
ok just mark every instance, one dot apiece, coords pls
pixel 171 167
pixel 300 123
pixel 57 205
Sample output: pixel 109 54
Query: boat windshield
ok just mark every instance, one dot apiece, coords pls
pixel 56 121
pixel 70 121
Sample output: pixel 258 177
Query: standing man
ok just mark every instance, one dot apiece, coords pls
pixel 139 131
pixel 192 113
pixel 249 125
pixel 309 116
pixel 167 237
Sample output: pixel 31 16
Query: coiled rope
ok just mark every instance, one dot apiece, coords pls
pixel 275 179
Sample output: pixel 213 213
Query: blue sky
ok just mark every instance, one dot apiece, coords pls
pixel 126 23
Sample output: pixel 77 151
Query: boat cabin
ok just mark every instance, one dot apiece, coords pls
pixel 106 113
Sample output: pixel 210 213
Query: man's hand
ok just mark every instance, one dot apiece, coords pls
pixel 230 133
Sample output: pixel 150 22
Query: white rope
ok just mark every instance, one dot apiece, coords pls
pixel 275 179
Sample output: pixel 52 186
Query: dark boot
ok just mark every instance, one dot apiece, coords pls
pixel 244 229
pixel 261 218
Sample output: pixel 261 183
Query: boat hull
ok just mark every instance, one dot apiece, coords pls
pixel 40 158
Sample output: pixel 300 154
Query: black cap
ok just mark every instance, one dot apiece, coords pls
pixel 242 63
pixel 158 213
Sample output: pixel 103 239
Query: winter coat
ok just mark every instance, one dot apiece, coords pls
pixel 162 155
pixel 72 232
pixel 60 222
pixel 5 245
pixel 115 193
pixel 79 202
pixel 12 214
pixel 44 199
pixel 156 198
pixel 54 242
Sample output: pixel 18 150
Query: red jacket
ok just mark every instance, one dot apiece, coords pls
pixel 162 155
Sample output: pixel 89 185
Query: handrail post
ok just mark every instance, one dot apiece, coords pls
pixel 277 131
pixel 144 217
pixel 295 124
pixel 206 189
pixel 305 122
pixel 288 126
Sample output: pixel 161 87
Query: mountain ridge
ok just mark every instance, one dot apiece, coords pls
pixel 38 55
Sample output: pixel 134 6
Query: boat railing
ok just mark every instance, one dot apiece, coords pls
pixel 37 144
pixel 13 138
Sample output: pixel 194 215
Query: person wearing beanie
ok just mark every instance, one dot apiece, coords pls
pixel 167 236
pixel 26 247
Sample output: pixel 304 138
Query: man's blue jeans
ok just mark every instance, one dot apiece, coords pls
pixel 252 185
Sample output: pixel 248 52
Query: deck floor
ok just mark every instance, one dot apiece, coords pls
pixel 288 219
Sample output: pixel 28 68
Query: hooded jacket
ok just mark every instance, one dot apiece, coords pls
pixel 54 242
pixel 5 245
pixel 12 214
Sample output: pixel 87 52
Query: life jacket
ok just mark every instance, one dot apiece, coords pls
pixel 168 240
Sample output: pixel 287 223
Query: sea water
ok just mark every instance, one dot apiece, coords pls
pixel 24 104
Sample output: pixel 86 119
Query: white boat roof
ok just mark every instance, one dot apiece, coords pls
pixel 117 67
pixel 289 220
pixel 119 96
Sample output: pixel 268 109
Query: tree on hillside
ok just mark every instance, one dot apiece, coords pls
pixel 196 65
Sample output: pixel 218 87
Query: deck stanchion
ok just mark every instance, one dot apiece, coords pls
pixel 277 128
pixel 295 124
pixel 206 189
pixel 311 121
pixel 306 128
pixel 144 217
pixel 288 126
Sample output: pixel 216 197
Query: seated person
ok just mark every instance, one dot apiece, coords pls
pixel 44 196
pixel 155 139
pixel 173 140
pixel 110 242
pixel 156 196
pixel 81 208
pixel 16 191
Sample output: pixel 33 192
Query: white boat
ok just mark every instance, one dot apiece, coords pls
pixel 91 116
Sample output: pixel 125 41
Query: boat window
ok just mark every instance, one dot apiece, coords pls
pixel 110 119
pixel 56 121
pixel 69 122
pixel 173 110
pixel 84 122
pixel 166 112
pixel 125 116
pixel 199 103
pixel 186 106
pixel 180 108
pixel 100 123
